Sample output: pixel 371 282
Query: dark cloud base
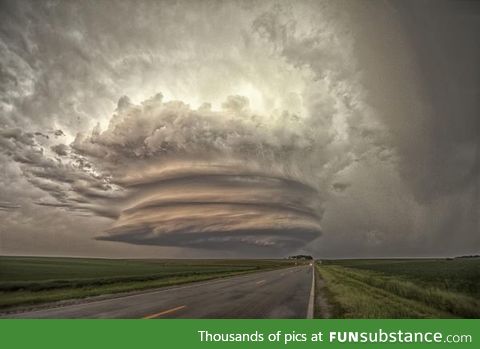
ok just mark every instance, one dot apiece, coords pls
pixel 257 239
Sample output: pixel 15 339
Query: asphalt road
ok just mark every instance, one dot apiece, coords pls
pixel 284 293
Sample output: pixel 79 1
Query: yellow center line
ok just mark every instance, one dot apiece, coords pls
pixel 165 312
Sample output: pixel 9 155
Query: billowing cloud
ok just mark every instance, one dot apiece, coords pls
pixel 176 176
pixel 250 128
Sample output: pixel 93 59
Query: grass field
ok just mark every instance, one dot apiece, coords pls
pixel 402 288
pixel 33 280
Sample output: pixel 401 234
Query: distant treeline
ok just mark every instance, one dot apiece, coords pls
pixel 301 256
pixel 470 256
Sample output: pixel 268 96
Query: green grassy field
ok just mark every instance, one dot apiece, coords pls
pixel 33 280
pixel 402 288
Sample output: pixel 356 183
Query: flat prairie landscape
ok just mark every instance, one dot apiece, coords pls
pixel 350 288
pixel 32 280
pixel 400 288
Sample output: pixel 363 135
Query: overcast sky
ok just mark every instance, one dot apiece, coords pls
pixel 239 128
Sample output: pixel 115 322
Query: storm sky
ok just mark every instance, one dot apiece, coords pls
pixel 239 128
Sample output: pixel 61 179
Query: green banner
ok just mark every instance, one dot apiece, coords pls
pixel 198 334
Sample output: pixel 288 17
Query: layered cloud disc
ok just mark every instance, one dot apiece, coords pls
pixel 217 206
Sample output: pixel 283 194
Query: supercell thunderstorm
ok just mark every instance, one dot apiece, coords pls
pixel 235 128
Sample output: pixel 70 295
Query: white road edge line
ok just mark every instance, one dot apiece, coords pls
pixel 311 302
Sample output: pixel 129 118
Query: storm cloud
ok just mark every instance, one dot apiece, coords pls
pixel 239 128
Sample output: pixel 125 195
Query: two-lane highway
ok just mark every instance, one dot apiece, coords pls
pixel 283 293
